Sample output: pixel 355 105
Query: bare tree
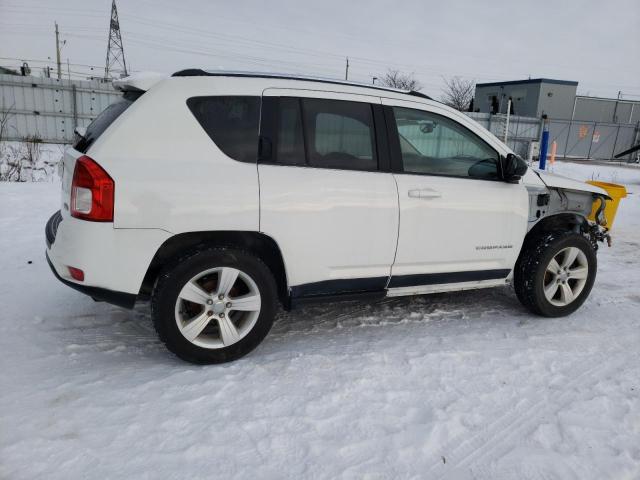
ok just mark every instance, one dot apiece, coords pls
pixel 403 81
pixel 7 169
pixel 32 144
pixel 21 162
pixel 5 116
pixel 458 93
pixel 10 164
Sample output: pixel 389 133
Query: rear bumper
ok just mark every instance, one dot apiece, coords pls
pixel 114 261
pixel 121 299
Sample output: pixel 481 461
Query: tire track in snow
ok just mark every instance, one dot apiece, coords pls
pixel 464 456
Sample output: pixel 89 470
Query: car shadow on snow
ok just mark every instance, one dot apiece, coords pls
pixel 462 306
pixel 113 332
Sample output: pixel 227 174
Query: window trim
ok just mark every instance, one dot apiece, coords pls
pixel 269 125
pixel 397 166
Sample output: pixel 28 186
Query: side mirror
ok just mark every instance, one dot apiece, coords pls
pixel 513 168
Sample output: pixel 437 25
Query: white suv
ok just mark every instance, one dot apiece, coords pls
pixel 220 195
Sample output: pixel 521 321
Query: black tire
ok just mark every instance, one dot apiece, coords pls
pixel 177 274
pixel 529 273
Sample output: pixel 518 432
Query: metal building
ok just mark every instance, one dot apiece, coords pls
pixel 614 110
pixel 555 98
pixel 529 98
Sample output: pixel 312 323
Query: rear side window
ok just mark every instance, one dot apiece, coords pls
pixel 231 122
pixel 340 134
pixel 290 149
pixel 336 133
pixel 106 118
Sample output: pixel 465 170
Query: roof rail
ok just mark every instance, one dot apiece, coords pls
pixel 198 72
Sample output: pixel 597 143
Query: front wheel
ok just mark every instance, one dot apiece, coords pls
pixel 555 273
pixel 215 305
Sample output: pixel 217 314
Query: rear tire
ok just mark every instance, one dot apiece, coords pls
pixel 555 273
pixel 214 305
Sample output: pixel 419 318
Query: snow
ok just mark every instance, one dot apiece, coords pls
pixel 29 161
pixel 464 385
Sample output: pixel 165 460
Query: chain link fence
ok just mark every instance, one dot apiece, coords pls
pixel 574 138
pixel 593 140
pixel 520 131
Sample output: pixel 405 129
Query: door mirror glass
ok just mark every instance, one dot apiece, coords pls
pixel 513 168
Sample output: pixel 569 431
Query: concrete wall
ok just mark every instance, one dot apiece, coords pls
pixel 50 108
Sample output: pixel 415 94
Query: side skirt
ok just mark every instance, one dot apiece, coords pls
pixel 338 290
pixel 445 287
pixel 330 291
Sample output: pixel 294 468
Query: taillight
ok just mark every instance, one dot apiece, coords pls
pixel 92 192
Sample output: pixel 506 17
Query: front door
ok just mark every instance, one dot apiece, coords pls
pixel 460 224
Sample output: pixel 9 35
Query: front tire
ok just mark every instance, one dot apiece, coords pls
pixel 555 273
pixel 214 305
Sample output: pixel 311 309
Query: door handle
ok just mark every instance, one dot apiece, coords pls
pixel 424 193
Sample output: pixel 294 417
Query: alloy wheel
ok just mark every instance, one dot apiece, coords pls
pixel 565 276
pixel 217 307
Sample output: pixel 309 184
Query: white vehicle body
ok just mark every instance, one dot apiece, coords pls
pixel 338 231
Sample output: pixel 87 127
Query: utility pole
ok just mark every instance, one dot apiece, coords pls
pixel 506 125
pixel 346 70
pixel 58 53
pixel 115 49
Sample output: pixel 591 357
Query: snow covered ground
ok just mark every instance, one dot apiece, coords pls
pixel 29 161
pixel 462 385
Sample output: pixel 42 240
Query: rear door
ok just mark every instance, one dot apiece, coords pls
pixel 460 224
pixel 326 195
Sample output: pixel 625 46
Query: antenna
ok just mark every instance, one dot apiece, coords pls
pixel 115 51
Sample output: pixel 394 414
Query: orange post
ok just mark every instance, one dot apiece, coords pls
pixel 554 149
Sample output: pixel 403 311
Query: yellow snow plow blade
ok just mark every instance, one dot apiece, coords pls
pixel 616 192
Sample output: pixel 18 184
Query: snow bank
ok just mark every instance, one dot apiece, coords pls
pixel 464 385
pixel 30 161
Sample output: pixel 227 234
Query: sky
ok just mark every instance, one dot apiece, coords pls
pixel 596 43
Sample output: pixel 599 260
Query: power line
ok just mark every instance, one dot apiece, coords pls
pixel 331 64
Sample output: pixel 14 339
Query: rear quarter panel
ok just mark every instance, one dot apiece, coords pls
pixel 168 173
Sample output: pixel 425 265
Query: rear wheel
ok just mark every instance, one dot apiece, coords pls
pixel 555 273
pixel 215 305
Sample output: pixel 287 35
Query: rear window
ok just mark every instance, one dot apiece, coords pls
pixel 231 122
pixel 106 118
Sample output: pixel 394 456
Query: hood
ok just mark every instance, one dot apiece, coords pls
pixel 553 180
